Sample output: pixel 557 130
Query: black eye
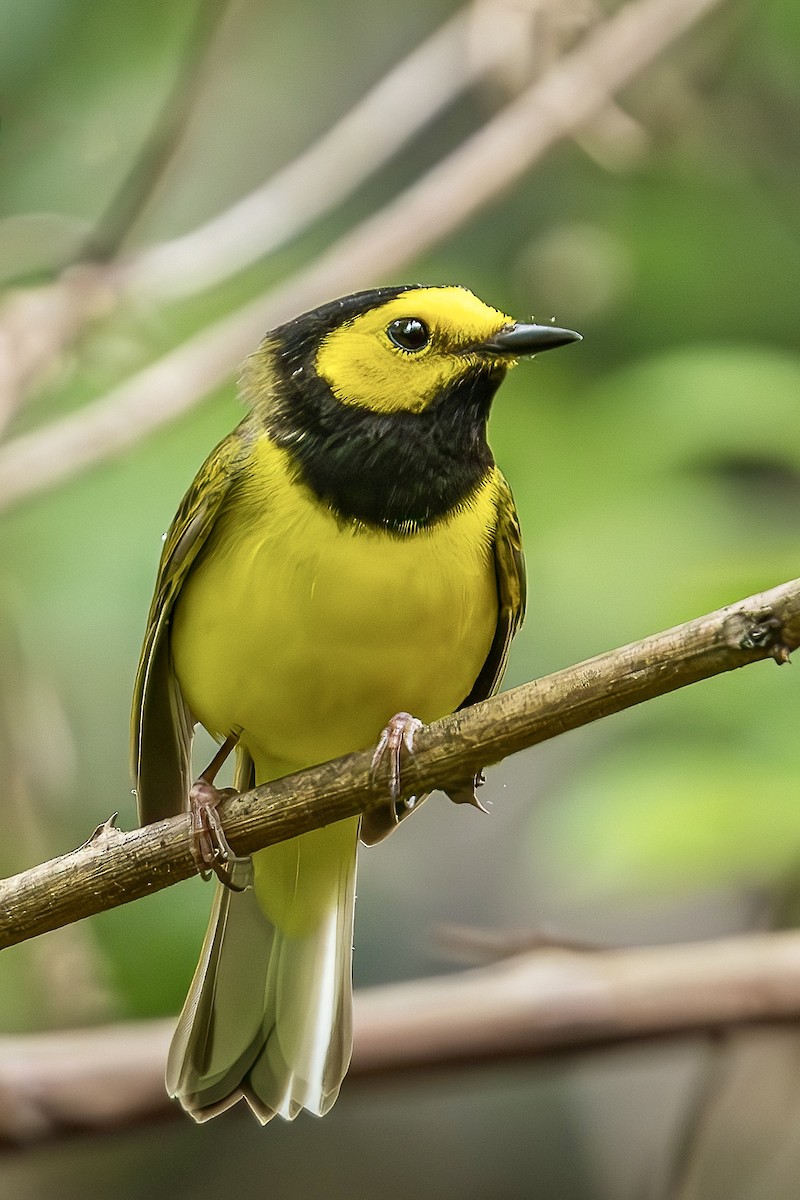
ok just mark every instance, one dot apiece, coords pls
pixel 409 333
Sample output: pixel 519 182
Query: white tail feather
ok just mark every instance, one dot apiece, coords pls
pixel 268 1015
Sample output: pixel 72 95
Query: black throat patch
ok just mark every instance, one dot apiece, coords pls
pixel 399 471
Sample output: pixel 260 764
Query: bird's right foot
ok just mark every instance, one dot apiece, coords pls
pixel 398 736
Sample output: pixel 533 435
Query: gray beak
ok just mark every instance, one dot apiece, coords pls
pixel 517 340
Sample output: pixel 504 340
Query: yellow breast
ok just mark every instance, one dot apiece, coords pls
pixel 307 635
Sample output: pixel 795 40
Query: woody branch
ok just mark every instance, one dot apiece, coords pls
pixel 114 867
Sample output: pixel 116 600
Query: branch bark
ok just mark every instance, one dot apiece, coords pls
pixel 115 867
pixel 568 95
pixel 532 1005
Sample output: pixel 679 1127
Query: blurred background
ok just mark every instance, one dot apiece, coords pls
pixel 656 468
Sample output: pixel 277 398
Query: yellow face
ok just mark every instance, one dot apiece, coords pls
pixel 402 354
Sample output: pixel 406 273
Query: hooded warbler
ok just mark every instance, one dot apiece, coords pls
pixel 350 552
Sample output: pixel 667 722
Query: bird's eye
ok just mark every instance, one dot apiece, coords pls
pixel 409 333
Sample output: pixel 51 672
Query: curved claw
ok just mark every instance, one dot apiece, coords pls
pixel 210 847
pixel 399 734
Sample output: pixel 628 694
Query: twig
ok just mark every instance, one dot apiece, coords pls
pixel 751 1102
pixel 387 118
pixel 530 1006
pixel 115 867
pixel 37 325
pixel 159 148
pixel 478 171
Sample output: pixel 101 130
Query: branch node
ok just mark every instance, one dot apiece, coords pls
pixel 761 631
pixel 103 832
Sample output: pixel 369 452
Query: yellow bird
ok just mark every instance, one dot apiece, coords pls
pixel 348 556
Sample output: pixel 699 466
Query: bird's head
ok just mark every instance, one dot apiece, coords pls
pixel 387 392
pixel 400 349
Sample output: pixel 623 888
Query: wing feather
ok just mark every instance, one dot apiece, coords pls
pixel 161 724
pixel 509 565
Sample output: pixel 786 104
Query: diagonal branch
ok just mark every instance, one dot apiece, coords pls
pixel 37 325
pixel 162 143
pixel 472 176
pixel 407 99
pixel 115 867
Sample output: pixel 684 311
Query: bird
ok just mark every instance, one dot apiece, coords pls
pixel 346 566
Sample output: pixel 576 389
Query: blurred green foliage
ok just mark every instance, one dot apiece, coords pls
pixel 656 466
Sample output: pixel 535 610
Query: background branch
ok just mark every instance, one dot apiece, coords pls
pixel 37 325
pixel 532 1005
pixel 485 165
pixel 161 144
pixel 421 86
pixel 115 867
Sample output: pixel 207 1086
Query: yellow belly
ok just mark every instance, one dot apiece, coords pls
pixel 306 636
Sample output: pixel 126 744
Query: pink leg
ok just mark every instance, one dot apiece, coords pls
pixel 399 734
pixel 209 843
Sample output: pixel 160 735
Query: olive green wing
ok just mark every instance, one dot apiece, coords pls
pixel 509 565
pixel 161 724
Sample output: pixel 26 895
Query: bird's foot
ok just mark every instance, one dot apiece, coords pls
pixel 210 847
pixel 398 735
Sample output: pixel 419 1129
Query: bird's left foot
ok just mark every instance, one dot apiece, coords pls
pixel 210 846
pixel 398 735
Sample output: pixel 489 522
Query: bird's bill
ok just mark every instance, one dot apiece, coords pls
pixel 517 340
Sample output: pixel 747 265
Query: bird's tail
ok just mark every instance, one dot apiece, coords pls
pixel 269 1012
